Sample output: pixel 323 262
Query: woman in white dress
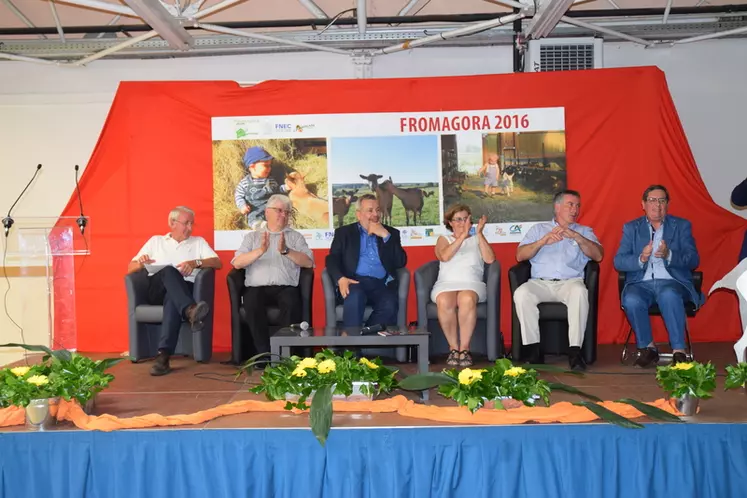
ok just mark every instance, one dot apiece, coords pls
pixel 460 284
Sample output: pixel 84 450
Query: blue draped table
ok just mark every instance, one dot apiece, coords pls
pixel 596 460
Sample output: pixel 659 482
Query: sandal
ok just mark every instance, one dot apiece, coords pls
pixel 453 359
pixel 465 359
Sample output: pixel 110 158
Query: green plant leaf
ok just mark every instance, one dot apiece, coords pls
pixel 60 354
pixel 321 413
pixel 557 386
pixel 609 416
pixel 651 411
pixel 552 369
pixel 421 382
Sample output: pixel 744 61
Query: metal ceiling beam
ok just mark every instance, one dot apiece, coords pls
pixel 546 17
pixel 361 15
pixel 594 27
pixel 215 8
pixel 408 7
pixel 346 21
pixel 57 21
pixel 667 10
pixel 711 36
pixel 20 15
pixel 167 26
pixel 234 32
pixel 105 6
pixel 314 9
pixel 466 30
pixel 116 48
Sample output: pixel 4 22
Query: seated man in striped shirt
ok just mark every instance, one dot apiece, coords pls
pixel 273 258
pixel 558 252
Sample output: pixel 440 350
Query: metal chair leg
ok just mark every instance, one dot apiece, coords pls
pixel 624 355
pixel 689 350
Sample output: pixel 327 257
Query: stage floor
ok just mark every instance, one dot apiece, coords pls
pixel 192 387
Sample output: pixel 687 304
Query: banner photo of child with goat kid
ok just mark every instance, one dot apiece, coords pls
pixel 504 164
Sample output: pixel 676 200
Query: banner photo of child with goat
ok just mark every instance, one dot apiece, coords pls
pixel 504 164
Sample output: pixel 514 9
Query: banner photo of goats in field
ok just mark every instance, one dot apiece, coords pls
pixel 504 164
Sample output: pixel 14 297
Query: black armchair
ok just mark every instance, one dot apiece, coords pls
pixel 145 319
pixel 487 338
pixel 690 310
pixel 553 317
pixel 333 310
pixel 242 347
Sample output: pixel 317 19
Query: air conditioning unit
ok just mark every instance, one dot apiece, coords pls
pixel 563 54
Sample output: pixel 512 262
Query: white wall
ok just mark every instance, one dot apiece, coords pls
pixel 53 115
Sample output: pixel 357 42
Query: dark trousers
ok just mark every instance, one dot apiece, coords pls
pixel 370 291
pixel 258 299
pixel 168 288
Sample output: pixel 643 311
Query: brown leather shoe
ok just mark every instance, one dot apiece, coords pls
pixel 647 357
pixel 195 314
pixel 161 367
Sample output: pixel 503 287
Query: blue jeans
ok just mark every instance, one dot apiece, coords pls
pixel 670 296
pixel 373 291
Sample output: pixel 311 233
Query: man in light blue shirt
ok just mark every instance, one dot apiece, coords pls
pixel 558 252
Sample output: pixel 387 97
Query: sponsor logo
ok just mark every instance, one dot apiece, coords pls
pixel 244 128
pixel 308 236
pixel 318 236
pixel 500 231
pixel 283 127
pixel 429 232
pixel 404 234
pixel 416 234
pixel 514 230
pixel 302 128
pixel 328 235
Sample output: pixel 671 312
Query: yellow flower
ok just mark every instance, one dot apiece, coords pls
pixel 369 363
pixel 20 371
pixel 682 366
pixel 327 366
pixel 468 376
pixel 38 380
pixel 307 363
pixel 299 372
pixel 514 372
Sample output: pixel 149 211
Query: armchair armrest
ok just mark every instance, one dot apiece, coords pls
pixel 494 337
pixel 306 286
pixel 698 281
pixel 136 285
pixel 330 300
pixel 425 278
pixel 204 289
pixel 403 290
pixel 519 274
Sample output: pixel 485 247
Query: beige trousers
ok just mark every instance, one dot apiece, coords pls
pixel 571 292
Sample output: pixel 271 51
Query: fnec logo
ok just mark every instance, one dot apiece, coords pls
pixel 283 127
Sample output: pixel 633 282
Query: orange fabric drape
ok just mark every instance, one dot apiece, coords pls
pixel 563 412
pixel 622 134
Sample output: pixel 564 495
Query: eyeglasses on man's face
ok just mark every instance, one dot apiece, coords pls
pixel 189 224
pixel 278 210
pixel 657 200
pixel 461 219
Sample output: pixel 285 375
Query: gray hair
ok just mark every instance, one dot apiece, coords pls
pixel 559 197
pixel 364 197
pixel 280 199
pixel 174 214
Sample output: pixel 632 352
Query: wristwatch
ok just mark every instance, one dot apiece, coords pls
pixel 285 251
pixel 198 263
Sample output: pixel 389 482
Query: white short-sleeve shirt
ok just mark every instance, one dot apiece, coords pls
pixel 166 251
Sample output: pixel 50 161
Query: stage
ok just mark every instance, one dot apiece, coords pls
pixel 379 454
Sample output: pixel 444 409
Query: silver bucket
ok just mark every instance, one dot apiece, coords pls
pixel 687 405
pixel 41 414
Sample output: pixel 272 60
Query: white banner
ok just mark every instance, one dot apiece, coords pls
pixel 501 163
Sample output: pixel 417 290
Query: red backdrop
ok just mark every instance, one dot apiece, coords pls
pixel 622 132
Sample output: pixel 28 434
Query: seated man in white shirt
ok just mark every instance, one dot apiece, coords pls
pixel 273 258
pixel 172 286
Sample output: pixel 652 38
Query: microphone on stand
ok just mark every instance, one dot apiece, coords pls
pixel 81 221
pixel 299 326
pixel 8 221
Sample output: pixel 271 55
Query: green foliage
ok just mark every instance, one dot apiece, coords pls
pixel 696 379
pixel 609 416
pixel 69 375
pixel 322 376
pixel 651 411
pixel 736 376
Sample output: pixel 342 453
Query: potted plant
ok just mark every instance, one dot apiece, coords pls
pixel 687 383
pixel 320 378
pixel 736 376
pixel 477 388
pixel 71 376
pixel 33 389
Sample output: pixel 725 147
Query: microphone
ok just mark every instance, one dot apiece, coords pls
pixel 371 330
pixel 299 326
pixel 81 221
pixel 8 221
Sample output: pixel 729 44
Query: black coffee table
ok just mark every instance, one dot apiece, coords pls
pixel 286 338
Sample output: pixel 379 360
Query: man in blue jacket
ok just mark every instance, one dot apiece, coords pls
pixel 657 253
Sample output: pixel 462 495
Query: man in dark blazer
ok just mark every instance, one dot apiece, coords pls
pixel 657 253
pixel 363 262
